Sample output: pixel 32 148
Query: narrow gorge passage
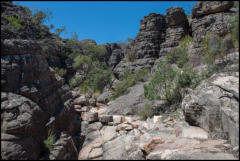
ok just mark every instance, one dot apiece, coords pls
pixel 170 93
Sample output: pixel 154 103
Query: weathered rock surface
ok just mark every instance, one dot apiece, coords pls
pixel 145 47
pixel 205 107
pixel 177 27
pixel 211 17
pixel 210 7
pixel 34 98
pixel 128 104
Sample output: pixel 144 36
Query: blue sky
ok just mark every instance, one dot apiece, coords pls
pixel 103 21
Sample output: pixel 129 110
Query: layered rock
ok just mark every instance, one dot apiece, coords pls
pixel 145 47
pixel 177 27
pixel 34 99
pixel 211 17
pixel 209 107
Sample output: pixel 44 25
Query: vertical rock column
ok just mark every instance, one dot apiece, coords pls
pixel 177 27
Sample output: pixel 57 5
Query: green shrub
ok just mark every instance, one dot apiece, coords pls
pixel 179 55
pixel 127 80
pixel 39 17
pixel 98 77
pixel 96 74
pixel 235 29
pixel 82 62
pixel 162 84
pixel 189 78
pixel 75 81
pixel 130 57
pixel 146 112
pixel 15 23
pixel 126 73
pixel 141 75
pixel 60 71
pixel 50 140
pixel 96 52
pixel 166 83
pixel 120 89
pixel 213 47
pixel 58 31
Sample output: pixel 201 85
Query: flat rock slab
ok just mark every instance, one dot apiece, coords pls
pixel 183 148
pixel 108 133
pixel 191 132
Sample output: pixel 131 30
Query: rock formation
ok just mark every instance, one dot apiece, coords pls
pixel 34 99
pixel 210 17
pixel 177 27
pixel 145 47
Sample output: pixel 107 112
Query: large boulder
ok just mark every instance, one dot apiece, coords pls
pixel 175 16
pixel 206 107
pixel 128 104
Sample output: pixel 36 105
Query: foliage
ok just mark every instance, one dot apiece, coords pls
pixel 179 55
pixel 141 75
pixel 126 73
pixel 189 78
pixel 58 31
pixel 166 83
pixel 15 23
pixel 97 78
pixel 129 40
pixel 146 112
pixel 50 140
pixel 130 57
pixel 127 80
pixel 75 81
pixel 235 29
pixel 212 48
pixel 28 11
pixel 60 71
pixel 39 17
pixel 96 52
pixel 160 87
pixel 82 62
pixel 96 74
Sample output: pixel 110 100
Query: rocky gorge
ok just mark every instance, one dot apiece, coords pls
pixel 37 103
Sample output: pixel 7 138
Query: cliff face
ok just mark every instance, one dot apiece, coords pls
pixel 34 99
pixel 211 17
pixel 177 27
pixel 146 46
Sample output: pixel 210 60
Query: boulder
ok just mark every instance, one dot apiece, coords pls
pixel 182 148
pixel 206 108
pixel 105 119
pixel 117 119
pixel 175 16
pixel 108 133
pixel 82 100
pixel 103 98
pixel 128 104
pixel 192 132
pixel 92 102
